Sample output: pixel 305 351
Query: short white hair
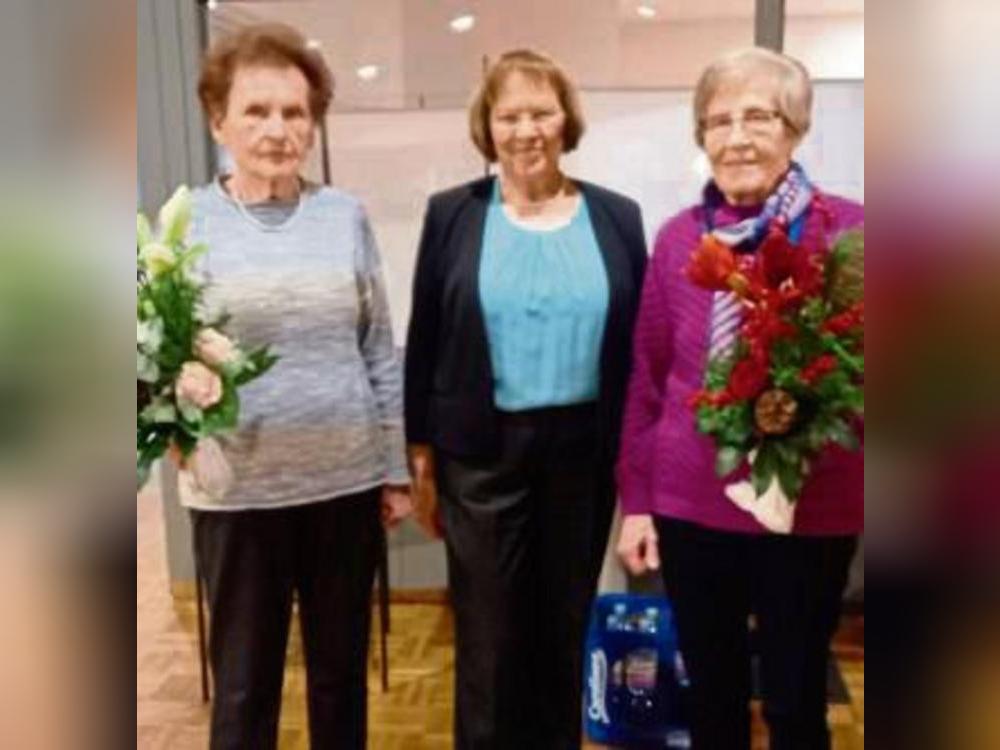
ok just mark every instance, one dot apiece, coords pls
pixel 795 92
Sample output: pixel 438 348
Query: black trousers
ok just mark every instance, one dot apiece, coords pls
pixel 253 561
pixel 525 533
pixel 793 584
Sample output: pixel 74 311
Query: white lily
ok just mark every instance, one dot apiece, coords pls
pixel 158 258
pixel 144 233
pixel 175 216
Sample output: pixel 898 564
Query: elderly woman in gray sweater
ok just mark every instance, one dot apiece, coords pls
pixel 318 456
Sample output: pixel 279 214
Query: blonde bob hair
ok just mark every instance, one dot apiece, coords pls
pixel 742 67
pixel 539 68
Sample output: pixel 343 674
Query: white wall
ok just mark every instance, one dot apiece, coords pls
pixel 829 46
pixel 639 143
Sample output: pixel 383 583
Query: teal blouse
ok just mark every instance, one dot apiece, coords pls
pixel 544 295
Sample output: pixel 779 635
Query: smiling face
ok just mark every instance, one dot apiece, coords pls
pixel 748 143
pixel 526 126
pixel 267 126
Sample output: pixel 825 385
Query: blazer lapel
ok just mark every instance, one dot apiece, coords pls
pixel 611 244
pixel 468 248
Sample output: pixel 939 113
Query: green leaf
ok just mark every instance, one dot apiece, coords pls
pixel 765 465
pixel 258 362
pixel 191 413
pixel 843 435
pixel 149 334
pixel 845 270
pixel 150 445
pixel 185 441
pixel 146 368
pixel 173 299
pixel 189 256
pixel 791 477
pixel 224 415
pixel 161 411
pixel 727 460
pixel 813 312
pixel 717 371
pixel 786 377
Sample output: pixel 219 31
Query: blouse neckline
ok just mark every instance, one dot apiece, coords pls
pixel 521 227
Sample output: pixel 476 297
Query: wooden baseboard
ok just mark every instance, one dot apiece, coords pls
pixel 184 590
pixel 418 596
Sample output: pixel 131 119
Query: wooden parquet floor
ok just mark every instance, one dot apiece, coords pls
pixel 414 715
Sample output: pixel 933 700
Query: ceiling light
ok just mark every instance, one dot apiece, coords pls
pixel 368 72
pixel 645 11
pixel 461 24
pixel 314 44
pixel 212 4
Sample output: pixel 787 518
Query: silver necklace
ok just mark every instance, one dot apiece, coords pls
pixel 263 226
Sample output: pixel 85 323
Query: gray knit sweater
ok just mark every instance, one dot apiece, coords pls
pixel 326 421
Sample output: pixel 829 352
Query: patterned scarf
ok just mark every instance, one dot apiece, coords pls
pixel 789 202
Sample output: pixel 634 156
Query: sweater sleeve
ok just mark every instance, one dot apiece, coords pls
pixel 378 351
pixel 651 355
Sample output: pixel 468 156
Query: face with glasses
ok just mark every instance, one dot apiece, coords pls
pixel 747 141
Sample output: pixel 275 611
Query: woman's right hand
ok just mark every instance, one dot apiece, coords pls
pixel 637 544
pixel 425 501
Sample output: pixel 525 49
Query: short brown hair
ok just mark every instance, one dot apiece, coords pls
pixel 258 44
pixel 538 67
pixel 795 94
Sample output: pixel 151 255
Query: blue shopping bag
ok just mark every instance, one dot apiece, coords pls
pixel 636 687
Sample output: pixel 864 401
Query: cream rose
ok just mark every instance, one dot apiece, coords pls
pixel 198 385
pixel 214 349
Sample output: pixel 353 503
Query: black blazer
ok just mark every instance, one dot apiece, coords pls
pixel 449 380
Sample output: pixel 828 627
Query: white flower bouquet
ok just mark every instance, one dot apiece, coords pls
pixel 187 371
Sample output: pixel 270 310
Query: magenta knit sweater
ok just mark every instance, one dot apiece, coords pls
pixel 665 466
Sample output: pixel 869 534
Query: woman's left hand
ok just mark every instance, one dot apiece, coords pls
pixel 397 504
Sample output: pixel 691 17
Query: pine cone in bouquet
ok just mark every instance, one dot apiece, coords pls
pixel 846 270
pixel 775 411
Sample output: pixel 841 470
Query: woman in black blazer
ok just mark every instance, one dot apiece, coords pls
pixel 526 289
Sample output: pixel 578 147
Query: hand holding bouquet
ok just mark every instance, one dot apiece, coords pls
pixel 794 383
pixel 187 370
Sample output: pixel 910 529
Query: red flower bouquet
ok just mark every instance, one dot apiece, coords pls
pixel 794 383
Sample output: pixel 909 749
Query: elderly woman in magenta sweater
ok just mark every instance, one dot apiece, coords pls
pixel 752 109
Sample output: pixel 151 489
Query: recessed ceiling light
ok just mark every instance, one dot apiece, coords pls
pixel 368 72
pixel 461 24
pixel 314 44
pixel 645 11
pixel 212 4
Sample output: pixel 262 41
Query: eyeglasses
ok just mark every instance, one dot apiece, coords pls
pixel 754 121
